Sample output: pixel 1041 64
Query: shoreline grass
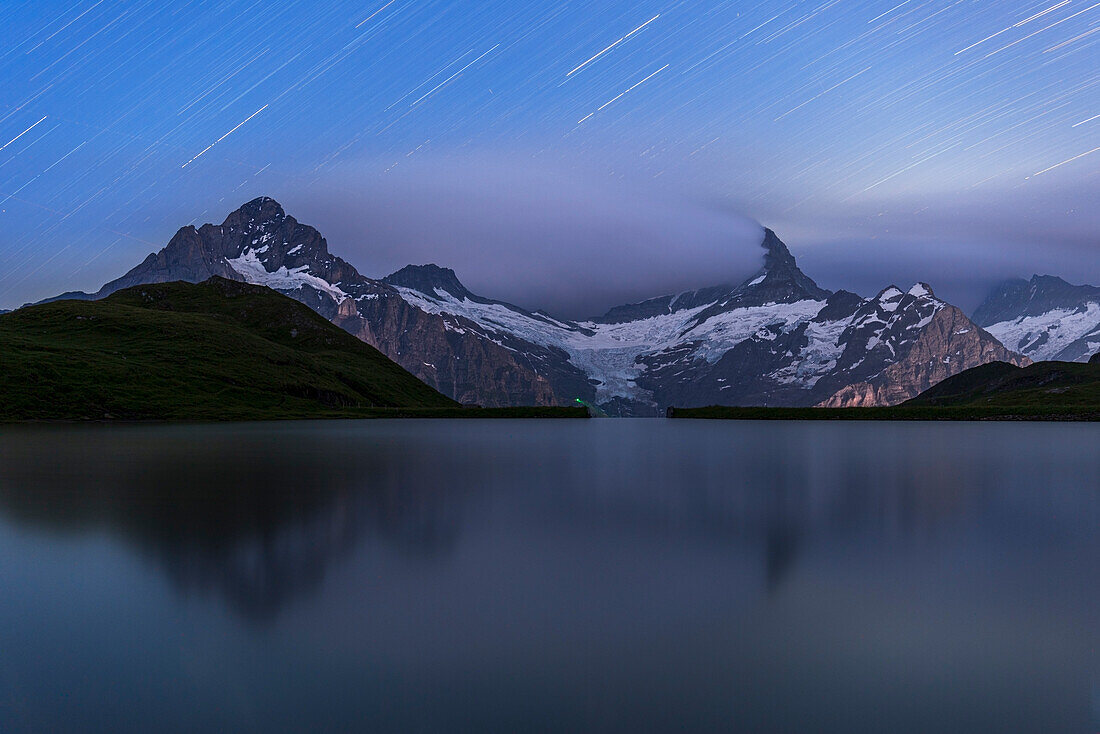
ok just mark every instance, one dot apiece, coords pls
pixel 460 413
pixel 897 413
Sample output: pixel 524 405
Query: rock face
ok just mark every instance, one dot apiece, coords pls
pixel 775 339
pixel 845 351
pixel 259 243
pixel 948 340
pixel 1045 318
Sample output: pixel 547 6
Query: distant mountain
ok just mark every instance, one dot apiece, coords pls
pixel 777 338
pixel 221 349
pixel 1045 318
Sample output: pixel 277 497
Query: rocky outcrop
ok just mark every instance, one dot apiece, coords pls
pixel 456 357
pixel 947 345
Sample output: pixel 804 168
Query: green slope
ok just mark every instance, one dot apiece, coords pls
pixel 994 391
pixel 217 350
pixel 1040 386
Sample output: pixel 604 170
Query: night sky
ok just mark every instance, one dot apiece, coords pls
pixel 566 155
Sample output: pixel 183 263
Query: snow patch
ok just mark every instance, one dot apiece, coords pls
pixel 610 353
pixel 1061 327
pixel 253 271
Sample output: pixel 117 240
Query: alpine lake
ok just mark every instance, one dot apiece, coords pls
pixel 625 575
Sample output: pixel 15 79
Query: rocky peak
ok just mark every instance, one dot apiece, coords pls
pixel 922 290
pixel 261 235
pixel 277 239
pixel 892 299
pixel 428 279
pixel 890 320
pixel 257 243
pixel 780 278
pixel 839 306
pixel 779 281
pixel 262 213
pixel 889 298
pixel 906 358
pixel 776 256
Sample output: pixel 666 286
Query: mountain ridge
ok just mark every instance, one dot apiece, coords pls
pixel 776 336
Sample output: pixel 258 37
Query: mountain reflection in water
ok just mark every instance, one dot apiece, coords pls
pixel 254 516
pixel 692 570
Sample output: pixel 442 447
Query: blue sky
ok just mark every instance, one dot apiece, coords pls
pixel 957 142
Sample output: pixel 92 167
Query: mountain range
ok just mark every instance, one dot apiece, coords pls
pixel 777 338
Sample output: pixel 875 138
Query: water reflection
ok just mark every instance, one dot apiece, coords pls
pixel 563 576
pixel 255 515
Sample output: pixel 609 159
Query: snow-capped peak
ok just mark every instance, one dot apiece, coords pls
pixel 890 293
pixel 889 298
pixel 921 290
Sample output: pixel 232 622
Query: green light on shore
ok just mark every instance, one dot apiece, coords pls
pixel 579 400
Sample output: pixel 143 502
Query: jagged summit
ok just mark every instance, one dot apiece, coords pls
pixel 261 214
pixel 779 280
pixel 892 297
pixel 921 289
pixel 258 243
pixel 263 207
pixel 427 279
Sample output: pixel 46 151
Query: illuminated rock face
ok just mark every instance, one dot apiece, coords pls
pixel 775 339
pixel 947 345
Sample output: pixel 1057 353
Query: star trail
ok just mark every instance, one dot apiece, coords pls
pixel 857 129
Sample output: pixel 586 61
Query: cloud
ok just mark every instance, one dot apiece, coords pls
pixel 962 243
pixel 567 239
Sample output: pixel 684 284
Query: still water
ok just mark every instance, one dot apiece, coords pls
pixel 510 576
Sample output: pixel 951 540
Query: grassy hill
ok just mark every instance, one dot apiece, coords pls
pixel 217 350
pixel 994 391
pixel 1043 386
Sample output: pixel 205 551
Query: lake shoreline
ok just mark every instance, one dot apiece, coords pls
pixel 464 413
pixel 897 413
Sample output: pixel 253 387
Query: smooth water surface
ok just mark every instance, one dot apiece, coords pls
pixel 509 576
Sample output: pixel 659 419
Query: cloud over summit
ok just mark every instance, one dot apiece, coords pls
pixel 574 243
